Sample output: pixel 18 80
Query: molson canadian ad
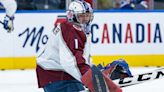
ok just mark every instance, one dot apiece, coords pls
pixel 137 37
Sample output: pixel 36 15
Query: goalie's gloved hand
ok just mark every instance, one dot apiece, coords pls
pixel 118 73
pixel 8 23
pixel 118 69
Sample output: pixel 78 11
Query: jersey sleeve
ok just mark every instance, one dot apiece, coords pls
pixel 10 7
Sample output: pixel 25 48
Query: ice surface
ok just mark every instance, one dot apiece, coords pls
pixel 25 81
pixel 18 81
pixel 149 86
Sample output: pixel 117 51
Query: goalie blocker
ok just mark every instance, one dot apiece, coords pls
pixel 96 81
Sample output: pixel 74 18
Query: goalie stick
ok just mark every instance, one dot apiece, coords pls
pixel 98 80
pixel 140 78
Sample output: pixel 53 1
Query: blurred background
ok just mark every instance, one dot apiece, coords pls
pixel 98 4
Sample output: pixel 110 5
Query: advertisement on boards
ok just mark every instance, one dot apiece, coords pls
pixel 134 36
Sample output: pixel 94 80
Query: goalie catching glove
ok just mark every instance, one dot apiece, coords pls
pixel 8 23
pixel 118 69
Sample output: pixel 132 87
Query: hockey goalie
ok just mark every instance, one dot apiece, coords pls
pixel 65 65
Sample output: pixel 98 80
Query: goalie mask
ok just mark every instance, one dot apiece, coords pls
pixel 80 13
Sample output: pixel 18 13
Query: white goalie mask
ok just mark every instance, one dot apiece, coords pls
pixel 80 13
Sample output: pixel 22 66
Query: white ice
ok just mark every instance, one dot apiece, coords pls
pixel 25 81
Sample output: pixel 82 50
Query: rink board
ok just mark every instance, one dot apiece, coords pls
pixel 136 37
pixel 133 60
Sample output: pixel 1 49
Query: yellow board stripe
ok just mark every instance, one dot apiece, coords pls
pixel 133 60
pixel 18 63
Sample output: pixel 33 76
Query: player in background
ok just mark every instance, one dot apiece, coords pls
pixel 130 4
pixel 10 7
pixel 140 4
pixel 123 4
